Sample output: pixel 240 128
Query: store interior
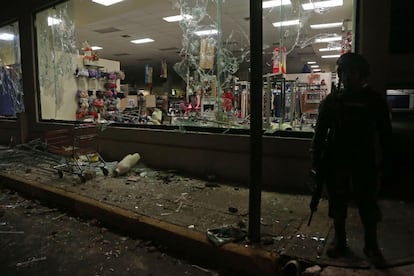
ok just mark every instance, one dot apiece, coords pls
pixel 181 77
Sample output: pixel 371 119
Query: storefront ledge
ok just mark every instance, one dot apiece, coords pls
pixel 187 243
pixel 217 130
pixel 284 147
pixel 9 128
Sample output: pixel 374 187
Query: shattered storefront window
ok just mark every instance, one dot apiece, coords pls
pixel 127 64
pixel 215 60
pixel 301 42
pixel 11 86
pixel 214 47
pixel 56 50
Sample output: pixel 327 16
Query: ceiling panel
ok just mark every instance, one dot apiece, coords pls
pixel 143 18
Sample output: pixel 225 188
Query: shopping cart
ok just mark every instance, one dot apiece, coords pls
pixel 79 146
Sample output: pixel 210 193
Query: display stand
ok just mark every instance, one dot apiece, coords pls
pixel 311 89
pixel 242 98
pixel 279 100
pixel 311 97
pixel 97 89
pixel 273 84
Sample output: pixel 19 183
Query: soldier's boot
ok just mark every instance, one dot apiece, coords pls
pixel 371 249
pixel 338 248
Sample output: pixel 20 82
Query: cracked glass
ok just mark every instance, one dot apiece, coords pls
pixel 55 30
pixel 11 85
pixel 131 63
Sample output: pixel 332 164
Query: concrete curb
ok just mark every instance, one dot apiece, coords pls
pixel 189 244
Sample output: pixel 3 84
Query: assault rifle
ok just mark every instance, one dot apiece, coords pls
pixel 317 181
pixel 318 176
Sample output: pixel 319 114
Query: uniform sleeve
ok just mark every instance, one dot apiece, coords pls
pixel 320 136
pixel 384 130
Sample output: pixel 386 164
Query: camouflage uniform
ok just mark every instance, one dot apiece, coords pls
pixel 352 137
pixel 349 150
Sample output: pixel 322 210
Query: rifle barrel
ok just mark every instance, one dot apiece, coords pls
pixel 310 218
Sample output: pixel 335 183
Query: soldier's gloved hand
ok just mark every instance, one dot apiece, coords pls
pixel 316 162
pixel 313 172
pixel 385 173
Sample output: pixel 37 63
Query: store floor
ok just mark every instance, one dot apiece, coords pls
pixel 199 205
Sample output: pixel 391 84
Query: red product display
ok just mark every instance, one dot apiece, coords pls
pixel 279 60
pixel 227 101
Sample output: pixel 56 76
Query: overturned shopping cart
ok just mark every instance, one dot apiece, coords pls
pixel 79 146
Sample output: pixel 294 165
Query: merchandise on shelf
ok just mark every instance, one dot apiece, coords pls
pixel 101 95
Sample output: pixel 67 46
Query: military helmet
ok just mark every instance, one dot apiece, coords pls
pixel 353 61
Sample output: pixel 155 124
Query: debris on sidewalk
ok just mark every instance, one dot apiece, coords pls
pixel 31 260
pixel 225 234
pixel 199 186
pixel 203 269
pixel 233 210
pixel 312 271
pixel 165 178
pixel 197 204
pixel 212 185
pixel 126 164
pixel 180 201
pixel 132 179
pixel 11 232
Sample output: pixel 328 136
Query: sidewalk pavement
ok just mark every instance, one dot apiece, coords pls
pixel 177 210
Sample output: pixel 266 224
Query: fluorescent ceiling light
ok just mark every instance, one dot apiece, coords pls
pixel 328 39
pixel 326 25
pixel 311 62
pixel 322 4
pixel 275 3
pixel 315 66
pixel 6 36
pixel 286 23
pixel 330 49
pixel 94 48
pixel 142 40
pixel 176 18
pixel 331 56
pixel 316 70
pixel 206 32
pixel 53 21
pixel 107 2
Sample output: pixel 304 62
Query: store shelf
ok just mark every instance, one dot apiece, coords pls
pixel 313 101
pixel 91 63
pixel 311 97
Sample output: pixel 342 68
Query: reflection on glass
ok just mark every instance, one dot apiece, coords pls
pixel 195 70
pixel 295 36
pixel 55 50
pixel 11 86
pixel 211 55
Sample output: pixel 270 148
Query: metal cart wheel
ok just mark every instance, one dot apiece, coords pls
pixel 82 178
pixel 105 171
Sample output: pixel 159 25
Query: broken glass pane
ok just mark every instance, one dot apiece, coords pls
pixel 11 86
pixel 56 47
pixel 212 51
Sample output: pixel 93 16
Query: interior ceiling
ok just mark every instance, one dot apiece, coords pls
pixel 115 26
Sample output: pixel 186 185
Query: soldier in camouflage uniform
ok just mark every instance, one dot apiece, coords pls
pixel 350 145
